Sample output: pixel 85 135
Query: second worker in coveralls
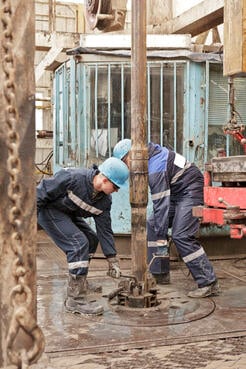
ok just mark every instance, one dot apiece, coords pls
pixel 63 201
pixel 176 187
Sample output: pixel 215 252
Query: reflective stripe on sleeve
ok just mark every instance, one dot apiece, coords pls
pixel 83 205
pixel 194 255
pixel 179 173
pixel 160 195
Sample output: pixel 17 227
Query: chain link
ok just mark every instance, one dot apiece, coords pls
pixel 21 295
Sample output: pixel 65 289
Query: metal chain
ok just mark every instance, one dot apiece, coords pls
pixel 21 295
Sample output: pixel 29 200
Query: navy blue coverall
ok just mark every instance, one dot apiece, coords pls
pixel 176 186
pixel 63 202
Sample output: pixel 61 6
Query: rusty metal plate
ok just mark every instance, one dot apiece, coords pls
pixel 174 308
pixel 178 319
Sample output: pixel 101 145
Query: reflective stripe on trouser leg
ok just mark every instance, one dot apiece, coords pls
pixel 184 229
pixel 157 265
pixel 200 267
pixel 68 237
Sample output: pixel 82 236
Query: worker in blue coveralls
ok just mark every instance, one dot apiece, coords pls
pixel 176 186
pixel 63 202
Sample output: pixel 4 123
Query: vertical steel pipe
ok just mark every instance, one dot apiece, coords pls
pixel 139 153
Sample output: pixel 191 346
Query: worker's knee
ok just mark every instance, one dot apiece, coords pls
pixel 80 243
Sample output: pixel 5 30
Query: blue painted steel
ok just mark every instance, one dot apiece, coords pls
pixel 72 125
pixel 186 130
pixel 81 113
pixel 195 119
pixel 65 107
pixel 87 105
pixel 73 111
pixel 60 106
pixel 197 130
pixel 77 91
pixel 56 145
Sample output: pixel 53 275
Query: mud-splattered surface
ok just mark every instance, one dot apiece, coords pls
pixel 179 333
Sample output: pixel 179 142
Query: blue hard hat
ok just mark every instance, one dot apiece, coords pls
pixel 122 148
pixel 115 170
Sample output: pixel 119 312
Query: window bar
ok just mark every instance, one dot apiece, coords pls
pixel 65 102
pixel 186 121
pixel 96 115
pixel 175 106
pixel 109 110
pixel 59 119
pixel 148 103
pixel 85 114
pixel 161 105
pixel 72 125
pixel 229 117
pixel 122 102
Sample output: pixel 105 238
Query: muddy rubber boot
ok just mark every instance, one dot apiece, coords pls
pixel 77 300
pixel 212 289
pixel 162 278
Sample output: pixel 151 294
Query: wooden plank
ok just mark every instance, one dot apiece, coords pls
pixel 235 38
pixel 200 18
pixel 49 59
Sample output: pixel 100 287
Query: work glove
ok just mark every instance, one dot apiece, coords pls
pixel 113 267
